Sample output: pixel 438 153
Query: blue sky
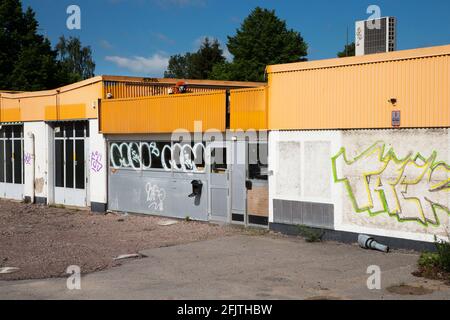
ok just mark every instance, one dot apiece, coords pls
pixel 136 37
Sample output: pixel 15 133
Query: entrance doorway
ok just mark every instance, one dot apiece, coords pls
pixel 219 160
pixel 71 139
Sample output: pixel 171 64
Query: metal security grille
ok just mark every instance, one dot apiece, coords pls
pixel 11 154
pixel 70 158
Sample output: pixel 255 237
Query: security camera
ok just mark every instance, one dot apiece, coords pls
pixel 393 101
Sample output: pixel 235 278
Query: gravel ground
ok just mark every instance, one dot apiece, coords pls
pixel 44 241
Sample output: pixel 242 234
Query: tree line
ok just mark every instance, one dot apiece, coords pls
pixel 27 60
pixel 262 39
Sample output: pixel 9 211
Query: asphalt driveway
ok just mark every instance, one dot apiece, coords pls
pixel 243 267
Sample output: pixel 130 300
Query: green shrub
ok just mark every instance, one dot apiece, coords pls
pixel 439 260
pixel 443 252
pixel 311 234
pixel 428 260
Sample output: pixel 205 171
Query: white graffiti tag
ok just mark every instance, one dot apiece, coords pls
pixel 182 157
pixel 128 155
pixel 155 197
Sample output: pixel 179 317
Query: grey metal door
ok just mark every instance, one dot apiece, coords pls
pixel 238 178
pixel 218 156
pixel 71 141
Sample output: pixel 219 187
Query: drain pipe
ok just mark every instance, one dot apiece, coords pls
pixel 32 156
pixel 367 242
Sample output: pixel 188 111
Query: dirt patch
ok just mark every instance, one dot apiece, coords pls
pixel 407 290
pixel 433 273
pixel 43 241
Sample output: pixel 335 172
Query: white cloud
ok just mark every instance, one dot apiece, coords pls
pixel 227 54
pixel 153 65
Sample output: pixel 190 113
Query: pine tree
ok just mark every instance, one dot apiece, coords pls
pixel 198 65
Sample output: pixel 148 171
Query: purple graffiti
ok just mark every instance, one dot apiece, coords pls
pixel 96 161
pixel 27 158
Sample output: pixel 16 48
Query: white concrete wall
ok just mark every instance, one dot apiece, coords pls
pixel 40 130
pixel 97 164
pixel 300 162
pixel 372 192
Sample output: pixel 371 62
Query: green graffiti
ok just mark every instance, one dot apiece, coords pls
pixel 413 188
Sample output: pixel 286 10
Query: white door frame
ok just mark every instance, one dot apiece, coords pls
pixel 72 196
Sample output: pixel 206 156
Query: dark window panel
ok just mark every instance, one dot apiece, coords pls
pixel 8 160
pixel 157 150
pixel 8 132
pixel 219 159
pixel 257 161
pixel 146 150
pixel 116 155
pixel 59 163
pixel 69 164
pixel 80 164
pixel 18 158
pixel 2 161
pixel 18 131
pixel 68 128
pixel 79 128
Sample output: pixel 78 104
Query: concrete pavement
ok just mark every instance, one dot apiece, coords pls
pixel 241 267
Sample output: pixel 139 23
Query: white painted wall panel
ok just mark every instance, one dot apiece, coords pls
pixel 97 162
pixel 41 183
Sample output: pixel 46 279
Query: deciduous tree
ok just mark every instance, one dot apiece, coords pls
pixel 261 40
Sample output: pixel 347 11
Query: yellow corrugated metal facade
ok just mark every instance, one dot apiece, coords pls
pixel 248 109
pixel 72 102
pixel 126 87
pixel 80 100
pixel 348 93
pixel 354 93
pixel 120 90
pixel 164 114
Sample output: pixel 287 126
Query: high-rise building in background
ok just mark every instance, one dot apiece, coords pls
pixel 376 36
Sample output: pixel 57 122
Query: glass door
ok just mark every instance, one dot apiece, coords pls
pixel 70 163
